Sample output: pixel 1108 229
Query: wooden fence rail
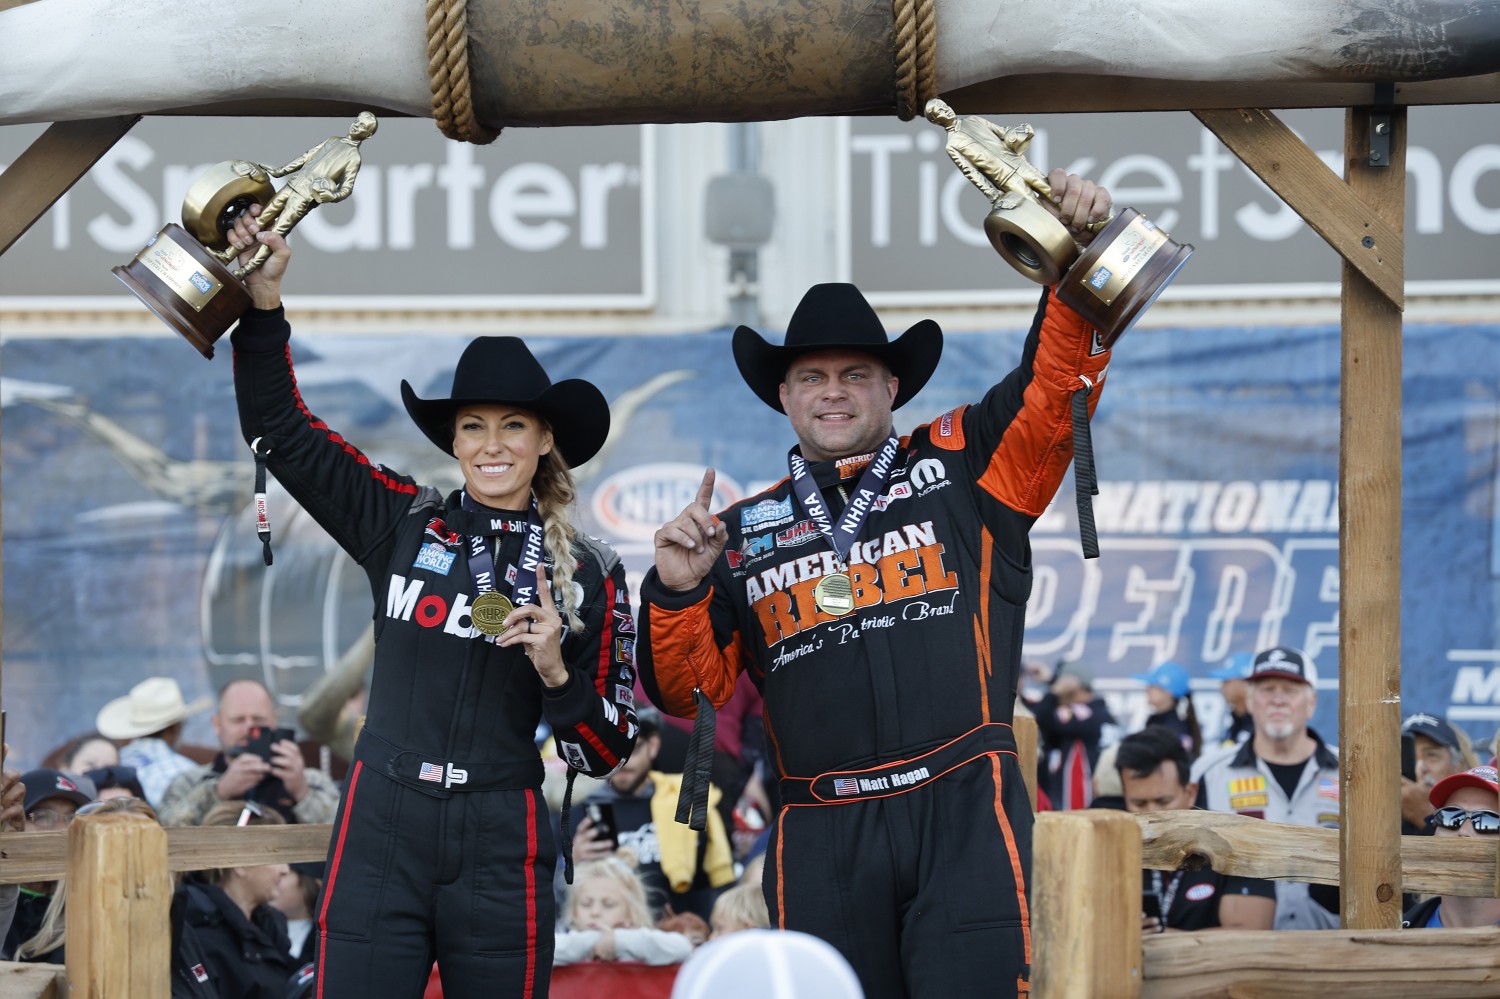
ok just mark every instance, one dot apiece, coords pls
pixel 1087 940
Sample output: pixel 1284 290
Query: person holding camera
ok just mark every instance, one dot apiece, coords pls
pixel 256 762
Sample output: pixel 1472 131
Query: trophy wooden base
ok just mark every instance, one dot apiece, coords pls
pixel 186 286
pixel 1121 273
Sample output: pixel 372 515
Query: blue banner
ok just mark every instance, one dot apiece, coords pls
pixel 130 547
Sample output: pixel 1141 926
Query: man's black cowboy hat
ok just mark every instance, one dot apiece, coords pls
pixel 837 317
pixel 500 370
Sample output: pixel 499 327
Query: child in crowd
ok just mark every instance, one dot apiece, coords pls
pixel 742 907
pixel 607 919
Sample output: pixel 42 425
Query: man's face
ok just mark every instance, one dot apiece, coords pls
pixel 1281 708
pixel 50 814
pixel 1469 798
pixel 1159 791
pixel 242 707
pixel 1434 761
pixel 634 771
pixel 839 402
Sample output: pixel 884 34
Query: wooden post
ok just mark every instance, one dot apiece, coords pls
pixel 1086 905
pixel 119 906
pixel 1024 725
pixel 1370 549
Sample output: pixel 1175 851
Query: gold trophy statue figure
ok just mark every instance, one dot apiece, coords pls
pixel 182 274
pixel 1112 282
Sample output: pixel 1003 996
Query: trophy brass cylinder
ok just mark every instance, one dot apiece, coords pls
pixel 186 287
pixel 1121 273
pixel 1030 239
pixel 217 198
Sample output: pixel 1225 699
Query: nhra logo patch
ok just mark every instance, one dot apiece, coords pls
pixel 434 558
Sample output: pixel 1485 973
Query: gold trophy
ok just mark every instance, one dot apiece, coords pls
pixel 1111 282
pixel 183 274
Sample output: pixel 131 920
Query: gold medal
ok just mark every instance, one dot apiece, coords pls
pixel 489 612
pixel 834 594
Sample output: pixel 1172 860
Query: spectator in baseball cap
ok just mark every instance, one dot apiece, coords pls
pixel 1169 692
pixel 1439 750
pixel 1232 674
pixel 1285 772
pixel 52 798
pixel 1468 804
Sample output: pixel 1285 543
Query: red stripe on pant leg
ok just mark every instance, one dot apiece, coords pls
pixel 531 851
pixel 333 873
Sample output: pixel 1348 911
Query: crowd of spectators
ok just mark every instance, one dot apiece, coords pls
pixel 648 890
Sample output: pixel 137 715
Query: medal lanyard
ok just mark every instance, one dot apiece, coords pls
pixel 482 566
pixel 845 533
pixel 1167 895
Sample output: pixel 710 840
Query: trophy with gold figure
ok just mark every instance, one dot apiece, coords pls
pixel 184 273
pixel 1112 282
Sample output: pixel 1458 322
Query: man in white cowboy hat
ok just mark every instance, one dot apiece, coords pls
pixel 877 596
pixel 150 717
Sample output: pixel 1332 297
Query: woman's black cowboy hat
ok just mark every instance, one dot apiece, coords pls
pixel 837 317
pixel 500 370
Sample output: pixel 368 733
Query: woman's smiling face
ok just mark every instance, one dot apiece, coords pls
pixel 498 448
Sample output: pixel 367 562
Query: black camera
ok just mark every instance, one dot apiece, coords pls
pixel 261 739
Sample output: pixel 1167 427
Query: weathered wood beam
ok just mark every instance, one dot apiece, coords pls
pixel 1253 848
pixel 1355 229
pixel 51 165
pixel 1086 916
pixel 1268 964
pixel 31 981
pixel 41 856
pixel 1057 93
pixel 119 901
pixel 1370 543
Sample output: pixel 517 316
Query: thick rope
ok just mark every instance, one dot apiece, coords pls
pixel 916 55
pixel 448 73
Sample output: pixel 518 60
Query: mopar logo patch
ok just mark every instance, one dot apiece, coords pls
pixel 434 558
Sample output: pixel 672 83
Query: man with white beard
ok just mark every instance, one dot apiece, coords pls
pixel 1284 773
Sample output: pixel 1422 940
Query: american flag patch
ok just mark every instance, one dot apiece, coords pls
pixel 431 771
pixel 1328 787
pixel 845 786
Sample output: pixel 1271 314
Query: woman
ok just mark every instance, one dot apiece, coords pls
pixel 242 937
pixel 1166 687
pixel 491 613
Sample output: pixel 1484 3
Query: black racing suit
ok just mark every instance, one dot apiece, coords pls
pixel 905 834
pixel 442 846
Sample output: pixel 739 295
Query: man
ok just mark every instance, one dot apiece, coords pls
pixel 1153 767
pixel 1283 773
pixel 1439 751
pixel 151 718
pixel 1232 674
pixel 51 799
pixel 681 867
pixel 250 766
pixel 1468 804
pixel 887 650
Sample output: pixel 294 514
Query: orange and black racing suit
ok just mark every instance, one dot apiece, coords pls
pixel 905 833
pixel 442 847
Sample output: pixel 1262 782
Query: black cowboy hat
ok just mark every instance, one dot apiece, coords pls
pixel 501 370
pixel 837 317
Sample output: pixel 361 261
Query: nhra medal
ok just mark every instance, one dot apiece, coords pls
pixel 834 594
pixel 489 612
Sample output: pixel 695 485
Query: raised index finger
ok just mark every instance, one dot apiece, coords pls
pixel 543 591
pixel 706 490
